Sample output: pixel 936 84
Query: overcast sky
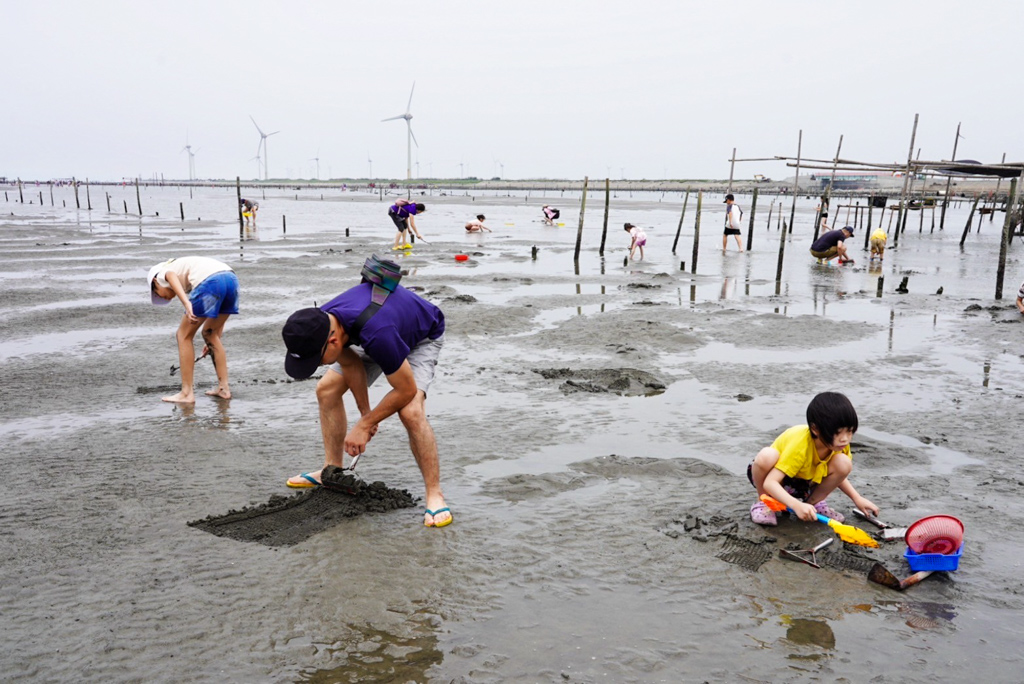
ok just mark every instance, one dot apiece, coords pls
pixel 550 89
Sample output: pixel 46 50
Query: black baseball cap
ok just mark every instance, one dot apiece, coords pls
pixel 305 334
pixel 728 197
pixel 849 228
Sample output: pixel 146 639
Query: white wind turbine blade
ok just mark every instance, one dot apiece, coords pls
pixel 257 126
pixel 413 135
pixel 274 133
pixel 408 107
pixel 393 118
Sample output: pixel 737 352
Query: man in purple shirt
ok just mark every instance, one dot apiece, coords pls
pixel 401 340
pixel 832 244
pixel 403 213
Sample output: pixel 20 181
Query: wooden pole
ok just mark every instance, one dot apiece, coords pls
pixel 583 209
pixel 967 226
pixel 181 208
pixel 238 193
pixel 88 196
pixel 51 193
pixel 679 228
pixel 868 231
pixel 1004 242
pixel 40 198
pixel 284 225
pixel 771 208
pixel 827 197
pixel 732 166
pixel 835 161
pixel 696 232
pixel 750 228
pixel 138 197
pixel 906 179
pixel 74 182
pixel 949 181
pixel 607 201
pixel 995 197
pixel 796 191
pixel 125 206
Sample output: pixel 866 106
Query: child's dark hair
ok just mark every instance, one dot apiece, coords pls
pixel 830 412
pixel 480 217
pixel 421 207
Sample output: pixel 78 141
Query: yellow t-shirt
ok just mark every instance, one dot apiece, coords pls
pixel 798 456
pixel 879 234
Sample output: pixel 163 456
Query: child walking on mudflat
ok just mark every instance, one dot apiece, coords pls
pixel 808 462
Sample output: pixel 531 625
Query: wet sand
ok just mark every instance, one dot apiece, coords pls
pixel 594 429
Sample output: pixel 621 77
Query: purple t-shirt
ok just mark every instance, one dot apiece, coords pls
pixel 404 321
pixel 403 211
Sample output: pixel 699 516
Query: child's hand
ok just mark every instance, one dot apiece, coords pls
pixel 866 506
pixel 805 511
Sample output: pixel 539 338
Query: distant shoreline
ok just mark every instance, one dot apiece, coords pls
pixel 890 187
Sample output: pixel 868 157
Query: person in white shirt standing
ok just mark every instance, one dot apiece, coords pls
pixel 733 222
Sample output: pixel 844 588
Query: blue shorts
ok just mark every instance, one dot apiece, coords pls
pixel 215 296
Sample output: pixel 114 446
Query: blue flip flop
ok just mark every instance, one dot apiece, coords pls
pixel 303 485
pixel 431 513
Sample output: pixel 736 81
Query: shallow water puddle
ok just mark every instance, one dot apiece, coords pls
pixel 943 460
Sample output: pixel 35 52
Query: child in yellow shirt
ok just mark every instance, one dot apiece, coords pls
pixel 878 240
pixel 808 462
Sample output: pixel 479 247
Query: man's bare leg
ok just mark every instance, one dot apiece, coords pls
pixel 330 395
pixel 739 243
pixel 213 331
pixel 186 359
pixel 424 449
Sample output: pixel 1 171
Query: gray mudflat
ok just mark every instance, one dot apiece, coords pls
pixel 601 506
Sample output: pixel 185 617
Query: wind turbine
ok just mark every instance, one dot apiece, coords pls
pixel 191 158
pixel 410 139
pixel 263 145
pixel 317 160
pixel 259 164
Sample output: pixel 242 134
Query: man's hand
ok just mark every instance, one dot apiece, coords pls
pixel 192 318
pixel 358 437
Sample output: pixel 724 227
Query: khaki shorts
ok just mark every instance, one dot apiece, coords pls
pixel 422 358
pixel 832 252
pixel 877 245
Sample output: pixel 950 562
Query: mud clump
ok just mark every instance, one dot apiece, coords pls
pixel 461 299
pixel 288 520
pixel 621 381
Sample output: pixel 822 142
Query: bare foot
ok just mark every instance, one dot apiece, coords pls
pixel 302 481
pixel 181 398
pixel 218 392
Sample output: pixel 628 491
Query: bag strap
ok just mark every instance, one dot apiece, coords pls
pixel 384 275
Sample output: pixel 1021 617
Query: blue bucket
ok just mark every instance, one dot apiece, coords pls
pixel 933 561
